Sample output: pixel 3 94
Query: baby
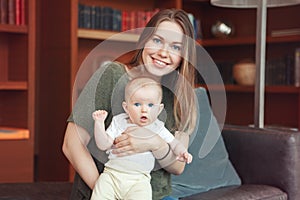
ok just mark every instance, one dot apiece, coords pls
pixel 128 177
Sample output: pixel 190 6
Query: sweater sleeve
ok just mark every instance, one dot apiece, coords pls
pixel 97 94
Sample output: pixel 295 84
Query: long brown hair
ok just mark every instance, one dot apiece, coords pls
pixel 184 103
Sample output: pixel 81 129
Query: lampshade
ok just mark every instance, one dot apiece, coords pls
pixel 252 3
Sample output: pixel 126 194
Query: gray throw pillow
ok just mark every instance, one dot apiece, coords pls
pixel 212 171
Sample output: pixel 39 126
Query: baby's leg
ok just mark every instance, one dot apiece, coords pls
pixel 105 188
pixel 141 190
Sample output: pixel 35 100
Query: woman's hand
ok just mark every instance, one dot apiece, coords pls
pixel 137 140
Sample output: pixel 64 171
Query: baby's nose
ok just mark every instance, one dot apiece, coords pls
pixel 144 108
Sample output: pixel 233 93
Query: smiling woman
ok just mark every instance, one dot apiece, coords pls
pixel 166 53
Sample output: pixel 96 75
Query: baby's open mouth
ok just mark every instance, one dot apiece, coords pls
pixel 143 118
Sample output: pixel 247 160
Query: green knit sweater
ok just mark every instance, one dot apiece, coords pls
pixel 105 90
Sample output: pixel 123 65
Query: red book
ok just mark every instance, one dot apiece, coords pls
pixel 22 12
pixel 124 21
pixel 18 12
pixel 3 12
pixel 132 20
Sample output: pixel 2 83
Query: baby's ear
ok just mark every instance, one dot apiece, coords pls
pixel 161 107
pixel 124 104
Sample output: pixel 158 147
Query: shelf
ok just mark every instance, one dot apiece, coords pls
pixel 127 37
pixel 9 133
pixel 103 35
pixel 13 28
pixel 246 40
pixel 281 89
pixel 13 85
pixel 227 41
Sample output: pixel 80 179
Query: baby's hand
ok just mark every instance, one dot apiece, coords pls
pixel 185 157
pixel 99 115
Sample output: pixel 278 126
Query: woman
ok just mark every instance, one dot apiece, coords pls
pixel 166 53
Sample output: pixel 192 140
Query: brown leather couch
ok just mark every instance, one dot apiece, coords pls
pixel 267 160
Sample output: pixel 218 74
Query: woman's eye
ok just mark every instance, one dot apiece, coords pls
pixel 176 48
pixel 150 105
pixel 156 40
pixel 137 104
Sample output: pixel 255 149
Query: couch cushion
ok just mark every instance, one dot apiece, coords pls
pixel 215 169
pixel 243 192
pixel 266 156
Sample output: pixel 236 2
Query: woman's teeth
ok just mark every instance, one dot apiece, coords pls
pixel 160 62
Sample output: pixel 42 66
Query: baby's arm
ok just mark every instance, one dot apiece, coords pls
pixel 103 140
pixel 180 151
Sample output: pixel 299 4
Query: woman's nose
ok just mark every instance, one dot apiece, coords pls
pixel 163 51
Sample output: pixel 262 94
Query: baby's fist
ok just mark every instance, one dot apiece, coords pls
pixel 99 115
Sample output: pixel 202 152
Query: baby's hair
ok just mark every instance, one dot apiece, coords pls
pixel 141 82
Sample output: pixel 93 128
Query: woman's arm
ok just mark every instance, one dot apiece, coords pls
pixel 136 140
pixel 169 161
pixel 74 148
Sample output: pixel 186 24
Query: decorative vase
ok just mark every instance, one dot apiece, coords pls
pixel 244 73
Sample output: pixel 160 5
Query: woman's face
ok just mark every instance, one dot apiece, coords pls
pixel 163 52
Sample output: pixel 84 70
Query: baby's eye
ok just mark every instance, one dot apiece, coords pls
pixel 137 104
pixel 150 105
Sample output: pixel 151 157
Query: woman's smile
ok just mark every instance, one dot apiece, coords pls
pixel 160 63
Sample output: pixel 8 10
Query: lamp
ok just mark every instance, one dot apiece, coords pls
pixel 261 21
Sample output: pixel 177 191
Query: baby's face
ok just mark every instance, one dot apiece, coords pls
pixel 144 106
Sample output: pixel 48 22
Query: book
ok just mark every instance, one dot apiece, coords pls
pixel 93 17
pixel 22 12
pixel 18 12
pixel 107 17
pixel 116 20
pixel 297 67
pixel 124 21
pixel 285 32
pixel 98 17
pixel 81 16
pixel 11 12
pixel 3 12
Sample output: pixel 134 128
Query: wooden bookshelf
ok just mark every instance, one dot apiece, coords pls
pixel 17 97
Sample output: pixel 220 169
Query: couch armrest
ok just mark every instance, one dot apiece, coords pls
pixel 265 156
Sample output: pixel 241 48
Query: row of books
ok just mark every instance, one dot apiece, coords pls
pixel 283 70
pixel 111 19
pixel 12 12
